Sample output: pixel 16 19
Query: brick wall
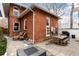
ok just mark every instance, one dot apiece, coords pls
pixel 12 19
pixel 29 18
pixel 40 24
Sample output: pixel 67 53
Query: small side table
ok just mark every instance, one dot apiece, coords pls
pixel 73 36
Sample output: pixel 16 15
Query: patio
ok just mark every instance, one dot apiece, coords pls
pixel 12 46
pixel 71 49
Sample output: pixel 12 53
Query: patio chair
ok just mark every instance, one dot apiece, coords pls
pixel 65 41
pixel 55 40
pixel 21 36
pixel 17 37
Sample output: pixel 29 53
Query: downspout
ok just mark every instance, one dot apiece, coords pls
pixel 33 22
pixel 33 25
pixel 71 16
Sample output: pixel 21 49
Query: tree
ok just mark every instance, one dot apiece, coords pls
pixel 71 15
pixel 57 8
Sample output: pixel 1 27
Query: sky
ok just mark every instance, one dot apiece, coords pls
pixel 66 15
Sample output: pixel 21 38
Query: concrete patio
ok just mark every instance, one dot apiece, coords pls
pixel 72 49
pixel 12 46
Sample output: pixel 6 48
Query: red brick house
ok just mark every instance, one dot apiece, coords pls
pixel 36 21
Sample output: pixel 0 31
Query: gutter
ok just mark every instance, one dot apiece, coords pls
pixel 33 21
pixel 33 25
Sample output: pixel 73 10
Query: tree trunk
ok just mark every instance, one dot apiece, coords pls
pixel 71 16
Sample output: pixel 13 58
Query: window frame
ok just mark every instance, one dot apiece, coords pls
pixel 14 26
pixel 16 10
pixel 25 20
pixel 48 20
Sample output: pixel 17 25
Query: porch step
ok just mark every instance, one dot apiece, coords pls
pixel 28 42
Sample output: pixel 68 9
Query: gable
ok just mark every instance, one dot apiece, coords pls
pixel 44 13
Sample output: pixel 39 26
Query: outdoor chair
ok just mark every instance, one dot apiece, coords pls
pixel 17 37
pixel 64 42
pixel 55 40
pixel 21 36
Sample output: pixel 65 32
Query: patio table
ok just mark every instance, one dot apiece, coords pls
pixel 59 39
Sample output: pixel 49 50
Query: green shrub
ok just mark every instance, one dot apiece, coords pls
pixel 3 44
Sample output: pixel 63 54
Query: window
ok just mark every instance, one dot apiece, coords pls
pixel 47 26
pixel 16 11
pixel 16 26
pixel 48 21
pixel 25 24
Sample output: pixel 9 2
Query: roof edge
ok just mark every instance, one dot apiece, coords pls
pixel 34 5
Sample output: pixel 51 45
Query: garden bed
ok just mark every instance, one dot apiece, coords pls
pixel 3 43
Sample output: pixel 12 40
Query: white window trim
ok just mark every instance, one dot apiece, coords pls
pixel 19 26
pixel 14 10
pixel 49 21
pixel 48 26
pixel 25 24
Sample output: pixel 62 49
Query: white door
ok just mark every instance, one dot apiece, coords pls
pixel 47 26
